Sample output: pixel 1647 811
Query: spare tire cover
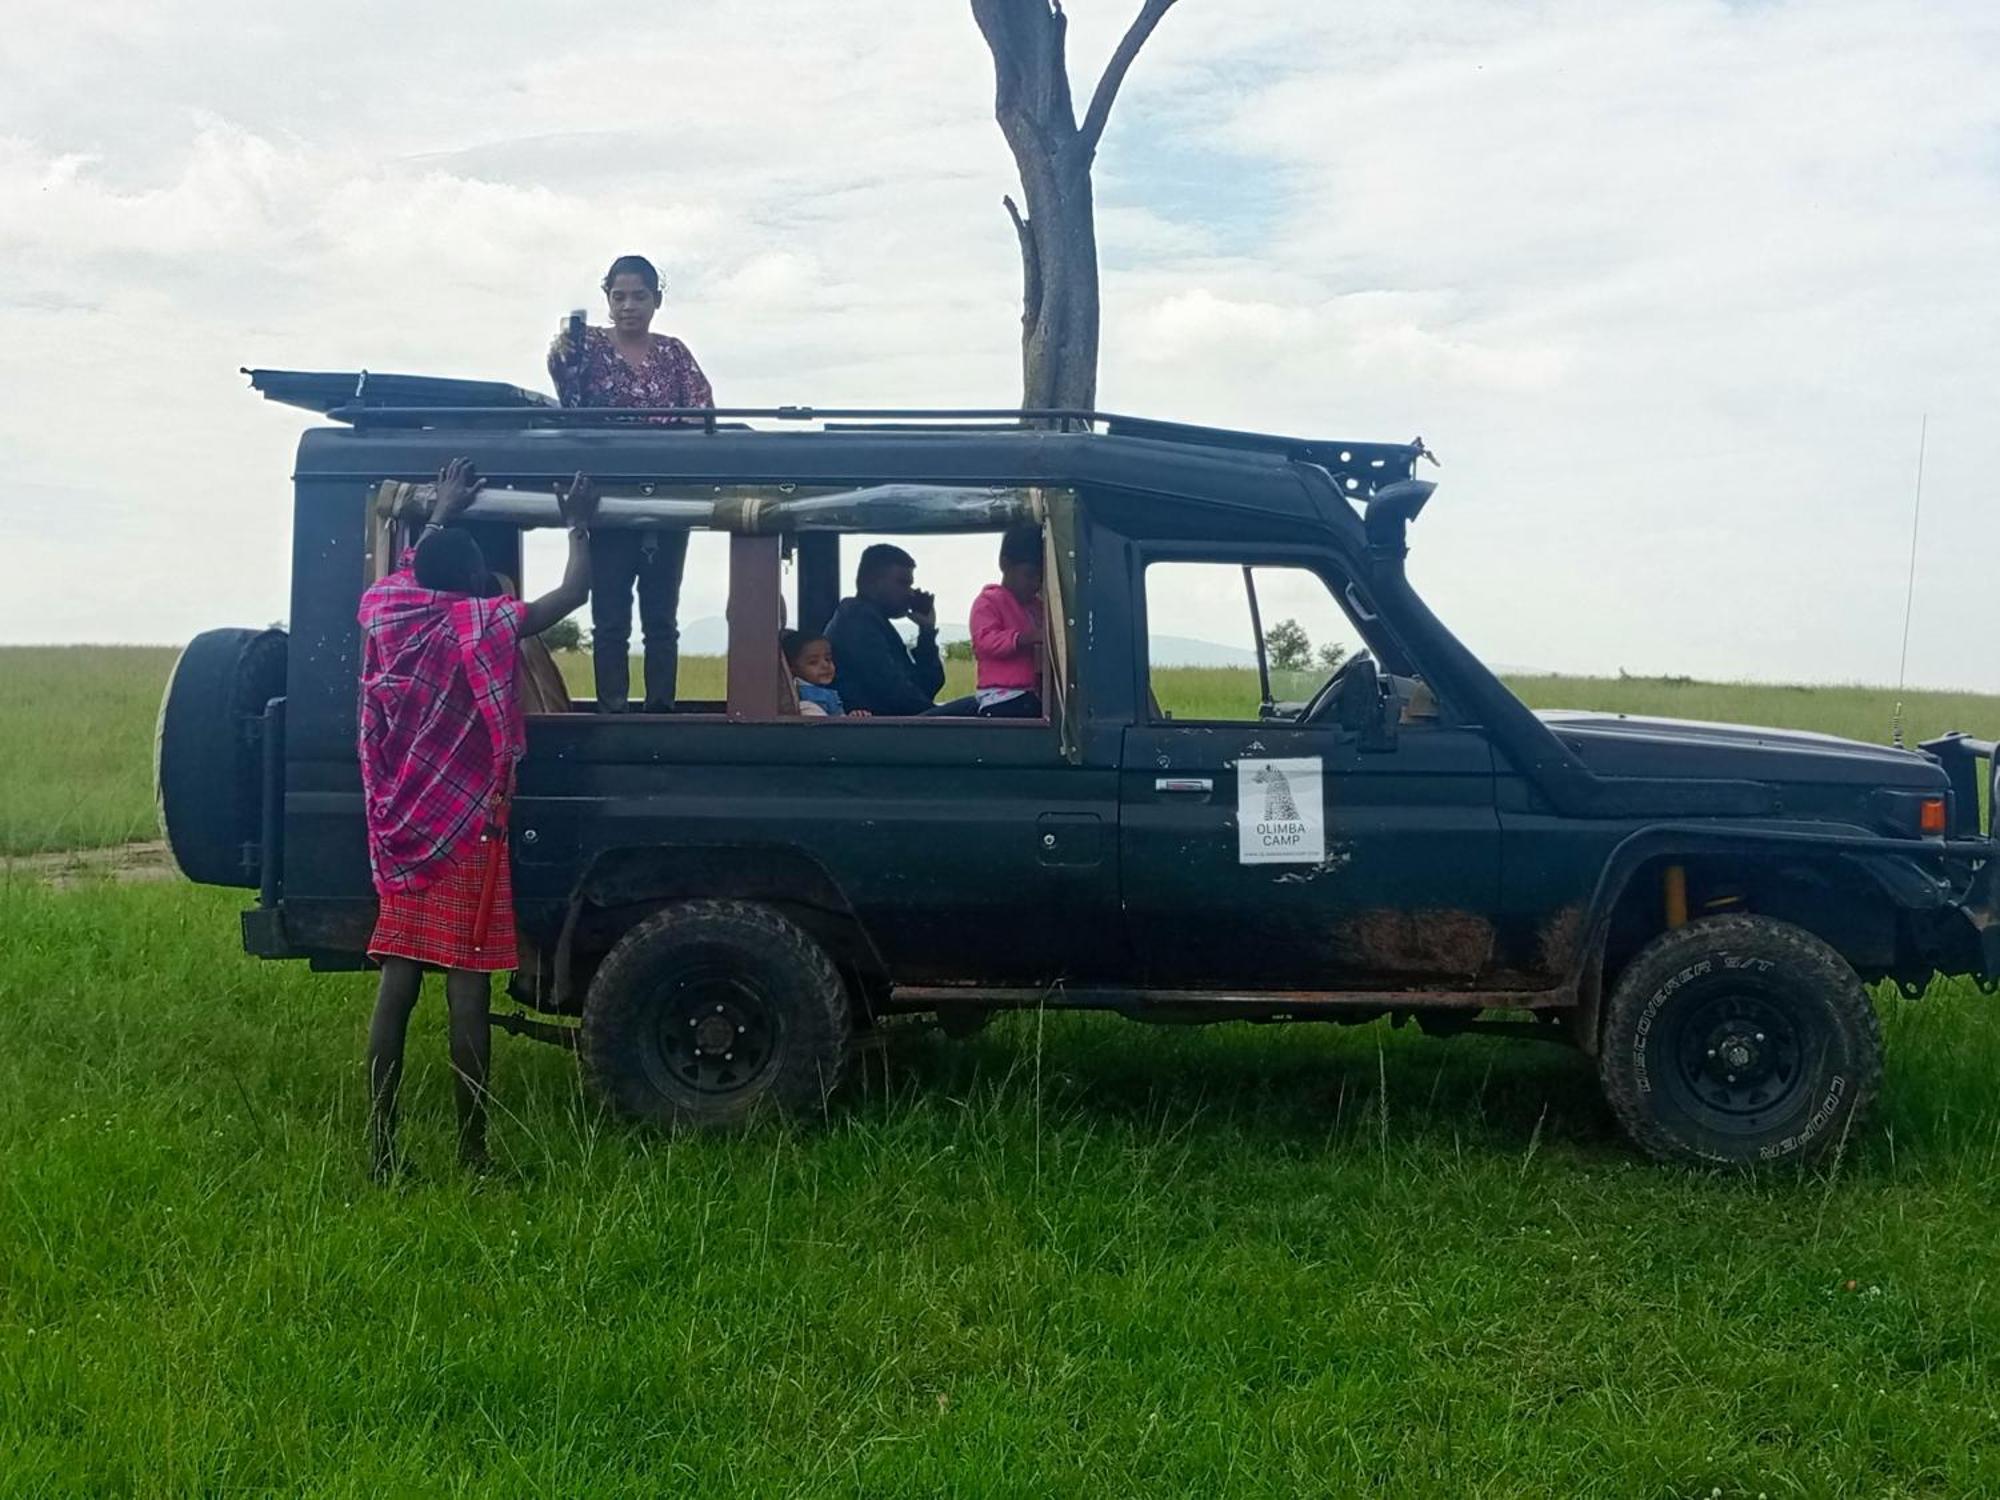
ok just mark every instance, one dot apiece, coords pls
pixel 207 772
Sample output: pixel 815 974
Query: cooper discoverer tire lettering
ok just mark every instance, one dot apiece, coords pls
pixel 1737 1040
pixel 709 1012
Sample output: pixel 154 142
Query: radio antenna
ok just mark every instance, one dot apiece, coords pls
pixel 1910 588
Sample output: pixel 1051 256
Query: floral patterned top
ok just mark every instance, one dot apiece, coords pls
pixel 669 377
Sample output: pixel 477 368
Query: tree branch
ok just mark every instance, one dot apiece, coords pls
pixel 1031 265
pixel 1099 113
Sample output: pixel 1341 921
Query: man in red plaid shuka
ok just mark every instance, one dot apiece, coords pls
pixel 440 732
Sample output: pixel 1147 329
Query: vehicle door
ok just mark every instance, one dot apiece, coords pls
pixel 1260 849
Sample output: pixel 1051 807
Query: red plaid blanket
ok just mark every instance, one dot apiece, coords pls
pixel 440 723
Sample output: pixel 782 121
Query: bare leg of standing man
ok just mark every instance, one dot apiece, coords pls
pixel 467 992
pixel 402 980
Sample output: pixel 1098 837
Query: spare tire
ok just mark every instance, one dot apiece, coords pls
pixel 207 765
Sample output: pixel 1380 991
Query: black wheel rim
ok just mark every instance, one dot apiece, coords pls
pixel 717 1033
pixel 1740 1056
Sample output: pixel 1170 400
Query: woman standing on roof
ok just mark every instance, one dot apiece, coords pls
pixel 440 732
pixel 628 365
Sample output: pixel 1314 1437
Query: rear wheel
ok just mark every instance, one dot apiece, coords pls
pixel 1739 1040
pixel 711 1012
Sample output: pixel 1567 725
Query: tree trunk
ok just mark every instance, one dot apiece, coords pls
pixel 1058 231
pixel 1059 320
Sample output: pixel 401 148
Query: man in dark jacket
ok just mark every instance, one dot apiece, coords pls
pixel 873 670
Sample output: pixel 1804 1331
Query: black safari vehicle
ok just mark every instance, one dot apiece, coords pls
pixel 725 895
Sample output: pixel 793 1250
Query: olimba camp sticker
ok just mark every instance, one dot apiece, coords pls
pixel 1280 812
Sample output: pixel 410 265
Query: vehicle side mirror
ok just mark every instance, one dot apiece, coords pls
pixel 1362 708
pixel 1360 694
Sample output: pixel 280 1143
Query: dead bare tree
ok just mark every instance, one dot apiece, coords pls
pixel 1058 230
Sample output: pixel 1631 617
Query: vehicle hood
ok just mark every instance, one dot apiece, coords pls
pixel 1628 745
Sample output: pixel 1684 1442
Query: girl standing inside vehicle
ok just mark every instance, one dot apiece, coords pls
pixel 628 365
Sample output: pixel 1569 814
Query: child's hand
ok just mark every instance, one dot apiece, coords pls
pixel 859 713
pixel 1032 636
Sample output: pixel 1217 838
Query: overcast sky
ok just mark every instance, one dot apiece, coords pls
pixel 1668 284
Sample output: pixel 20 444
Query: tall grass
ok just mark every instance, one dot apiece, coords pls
pixel 76 744
pixel 1853 711
pixel 1073 1256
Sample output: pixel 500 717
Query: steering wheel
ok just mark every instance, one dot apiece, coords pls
pixel 1323 700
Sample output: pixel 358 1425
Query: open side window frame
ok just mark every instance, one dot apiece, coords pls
pixel 758 684
pixel 1342 584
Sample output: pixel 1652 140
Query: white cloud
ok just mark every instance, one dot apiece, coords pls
pixel 1668 284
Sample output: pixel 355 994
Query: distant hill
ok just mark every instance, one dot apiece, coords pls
pixel 1182 651
pixel 709 636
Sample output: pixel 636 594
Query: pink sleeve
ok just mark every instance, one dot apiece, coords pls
pixel 990 636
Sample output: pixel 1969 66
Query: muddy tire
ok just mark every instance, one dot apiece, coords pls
pixel 1740 1040
pixel 207 772
pixel 712 1013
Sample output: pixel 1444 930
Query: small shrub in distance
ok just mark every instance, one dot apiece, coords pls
pixel 564 635
pixel 1288 647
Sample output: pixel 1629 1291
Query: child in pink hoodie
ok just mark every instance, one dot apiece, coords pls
pixel 1007 630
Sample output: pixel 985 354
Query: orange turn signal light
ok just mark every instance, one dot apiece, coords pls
pixel 1930 816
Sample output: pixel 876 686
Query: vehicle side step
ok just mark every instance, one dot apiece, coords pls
pixel 1218 1005
pixel 555 1033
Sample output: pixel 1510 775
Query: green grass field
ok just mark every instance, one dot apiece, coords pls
pixel 76 745
pixel 1070 1256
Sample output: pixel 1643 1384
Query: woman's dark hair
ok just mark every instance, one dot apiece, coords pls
pixel 794 642
pixel 1021 544
pixel 633 265
pixel 450 562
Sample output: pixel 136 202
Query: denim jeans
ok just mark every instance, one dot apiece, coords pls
pixel 654 561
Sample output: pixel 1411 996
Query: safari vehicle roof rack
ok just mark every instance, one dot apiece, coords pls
pixel 363 399
pixel 330 391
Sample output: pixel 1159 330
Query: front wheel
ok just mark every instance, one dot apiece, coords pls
pixel 710 1012
pixel 1739 1040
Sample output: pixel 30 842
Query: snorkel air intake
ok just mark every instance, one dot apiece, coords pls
pixel 1388 515
pixel 1480 698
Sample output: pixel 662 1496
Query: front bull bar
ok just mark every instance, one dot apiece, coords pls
pixel 1959 755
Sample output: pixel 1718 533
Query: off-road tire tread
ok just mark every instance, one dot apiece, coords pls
pixel 819 1025
pixel 1800 951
